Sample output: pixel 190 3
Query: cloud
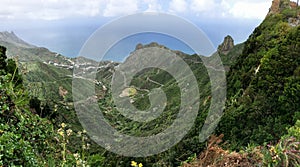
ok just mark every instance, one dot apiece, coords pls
pixel 61 9
pixel 178 6
pixel 120 7
pixel 243 9
pixel 250 9
pixel 49 9
pixel 202 5
pixel 152 6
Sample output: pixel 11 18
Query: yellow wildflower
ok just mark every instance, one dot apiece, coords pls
pixel 63 125
pixel 140 165
pixel 76 155
pixel 132 91
pixel 55 107
pixel 273 150
pixel 60 132
pixel 69 132
pixel 133 163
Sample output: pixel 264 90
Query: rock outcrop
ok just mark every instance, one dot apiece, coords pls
pixel 226 46
pixel 139 46
pixel 279 5
pixel 157 45
pixel 152 44
pixel 294 22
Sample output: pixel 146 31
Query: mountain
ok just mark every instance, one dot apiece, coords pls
pixel 262 105
pixel 278 6
pixel 48 77
pixel 226 46
pixel 264 82
pixel 261 121
pixel 26 52
pixel 10 37
pixel 44 71
pixel 56 107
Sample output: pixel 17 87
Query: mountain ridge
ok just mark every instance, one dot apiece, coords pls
pixel 259 93
pixel 279 5
pixel 263 87
pixel 41 65
pixel 11 37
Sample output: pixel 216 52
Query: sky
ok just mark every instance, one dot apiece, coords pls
pixel 63 26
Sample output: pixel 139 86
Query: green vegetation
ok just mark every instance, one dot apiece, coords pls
pixel 26 139
pixel 260 126
pixel 263 85
pixel 284 153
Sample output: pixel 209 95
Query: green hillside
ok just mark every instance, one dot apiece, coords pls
pixel 260 126
pixel 263 84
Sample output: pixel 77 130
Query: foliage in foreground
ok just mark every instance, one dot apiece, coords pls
pixel 285 153
pixel 262 102
pixel 26 139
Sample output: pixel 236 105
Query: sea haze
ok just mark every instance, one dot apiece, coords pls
pixel 68 36
pixel 122 49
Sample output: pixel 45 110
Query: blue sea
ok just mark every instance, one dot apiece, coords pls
pixel 68 36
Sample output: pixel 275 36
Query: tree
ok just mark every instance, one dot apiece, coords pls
pixel 3 58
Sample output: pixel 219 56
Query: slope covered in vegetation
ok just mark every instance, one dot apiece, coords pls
pixel 27 139
pixel 264 84
pixel 260 125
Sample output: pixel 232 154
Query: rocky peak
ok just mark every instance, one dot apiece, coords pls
pixel 157 45
pixel 279 5
pixel 139 46
pixel 226 46
pixel 11 37
pixel 152 44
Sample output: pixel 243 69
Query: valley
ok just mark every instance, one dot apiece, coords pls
pixel 260 124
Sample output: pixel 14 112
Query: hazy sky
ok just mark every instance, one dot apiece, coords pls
pixel 64 25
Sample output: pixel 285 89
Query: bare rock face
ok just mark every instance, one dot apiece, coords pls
pixel 152 44
pixel 294 5
pixel 294 22
pixel 226 46
pixel 139 46
pixel 279 5
pixel 275 8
